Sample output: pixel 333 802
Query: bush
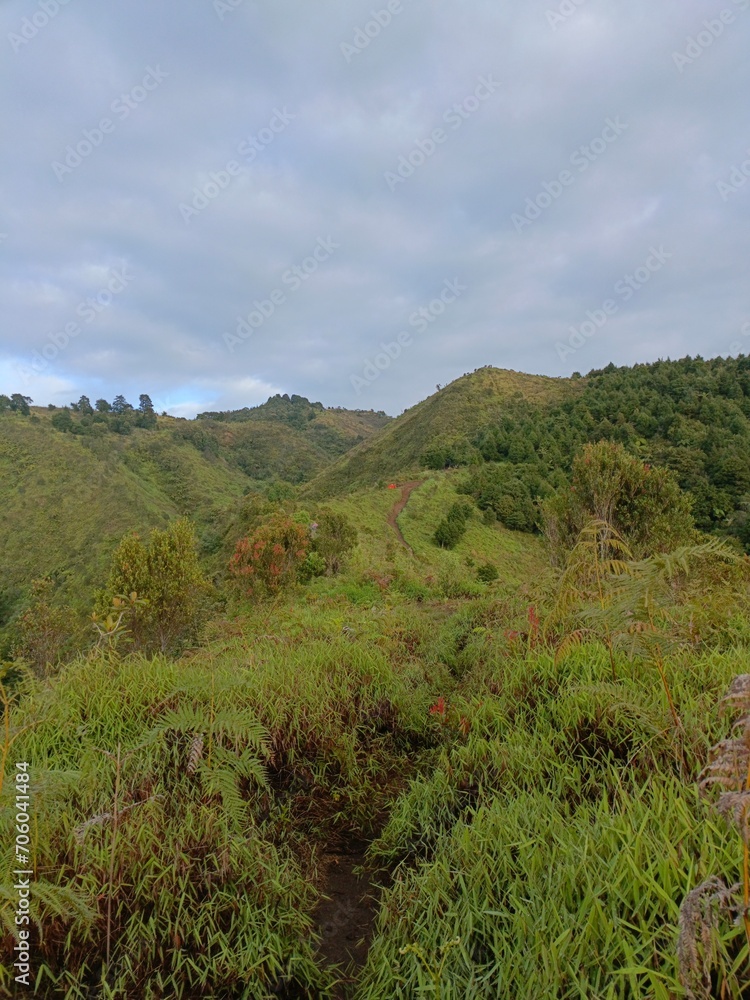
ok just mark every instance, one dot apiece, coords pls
pixel 452 528
pixel 487 572
pixel 644 504
pixel 164 573
pixel 271 558
pixel 333 537
pixel 314 565
pixel 43 633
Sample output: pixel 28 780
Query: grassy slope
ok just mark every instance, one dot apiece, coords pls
pixel 379 553
pixel 68 500
pixel 469 402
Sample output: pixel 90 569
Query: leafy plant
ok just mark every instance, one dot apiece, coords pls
pixel 271 558
pixel 171 591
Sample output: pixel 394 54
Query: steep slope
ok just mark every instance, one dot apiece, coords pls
pixel 445 417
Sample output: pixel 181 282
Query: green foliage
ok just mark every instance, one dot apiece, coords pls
pixel 333 538
pixel 487 572
pixel 508 491
pixel 44 633
pixel 62 420
pixel 453 526
pixel 166 575
pixel 643 504
pixel 448 454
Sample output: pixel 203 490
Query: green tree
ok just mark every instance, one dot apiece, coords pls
pixel 20 403
pixel 83 406
pixel 333 537
pixel 121 405
pixel 62 421
pixel 453 526
pixel 102 406
pixel 146 417
pixel 643 504
pixel 166 574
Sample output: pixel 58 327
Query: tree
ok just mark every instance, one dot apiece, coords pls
pixel 83 406
pixel 453 526
pixel 164 572
pixel 121 405
pixel 20 403
pixel 146 416
pixel 62 421
pixel 334 536
pixel 102 406
pixel 270 559
pixel 643 504
pixel 4 403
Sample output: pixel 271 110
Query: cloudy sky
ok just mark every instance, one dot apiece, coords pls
pixel 216 200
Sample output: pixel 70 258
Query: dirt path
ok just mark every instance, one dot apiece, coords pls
pixel 396 510
pixel 346 917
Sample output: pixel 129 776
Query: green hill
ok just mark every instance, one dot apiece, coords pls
pixel 373 777
pixel 288 438
pixel 68 497
pixel 67 500
pixel 444 420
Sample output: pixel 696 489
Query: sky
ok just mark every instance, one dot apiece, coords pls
pixel 214 201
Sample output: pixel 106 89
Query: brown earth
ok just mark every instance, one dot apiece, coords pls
pixel 346 913
pixel 396 510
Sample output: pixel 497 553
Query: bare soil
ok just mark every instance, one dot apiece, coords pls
pixel 396 510
pixel 345 915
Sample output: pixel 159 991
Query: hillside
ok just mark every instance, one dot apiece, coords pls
pixel 443 420
pixel 409 737
pixel 67 500
pixel 690 415
pixel 68 497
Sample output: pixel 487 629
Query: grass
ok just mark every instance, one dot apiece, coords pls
pixel 303 729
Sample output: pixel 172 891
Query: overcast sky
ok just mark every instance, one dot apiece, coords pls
pixel 213 201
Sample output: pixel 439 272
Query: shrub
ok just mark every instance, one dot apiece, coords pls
pixel 642 503
pixel 271 558
pixel 487 572
pixel 333 538
pixel 164 573
pixel 43 632
pixel 452 528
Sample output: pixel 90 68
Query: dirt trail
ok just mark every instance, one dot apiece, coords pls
pixel 397 508
pixel 345 920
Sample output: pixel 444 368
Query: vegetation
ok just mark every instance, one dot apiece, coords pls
pixel 521 728
pixel 166 587
pixel 453 526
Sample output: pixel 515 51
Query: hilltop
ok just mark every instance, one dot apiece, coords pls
pixel 445 420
